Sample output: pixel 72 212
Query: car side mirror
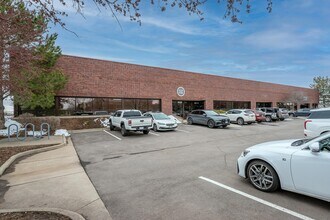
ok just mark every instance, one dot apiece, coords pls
pixel 204 114
pixel 315 147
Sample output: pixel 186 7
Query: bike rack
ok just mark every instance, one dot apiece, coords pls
pixel 26 132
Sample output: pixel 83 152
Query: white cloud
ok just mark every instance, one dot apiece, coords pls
pixel 284 38
pixel 156 49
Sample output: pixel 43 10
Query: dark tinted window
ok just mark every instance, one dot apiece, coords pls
pixel 269 110
pixel 320 114
pixel 117 114
pixel 196 112
pixel 131 114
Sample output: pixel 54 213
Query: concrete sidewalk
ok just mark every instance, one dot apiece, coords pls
pixel 53 179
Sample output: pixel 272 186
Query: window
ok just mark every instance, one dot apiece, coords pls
pixel 118 114
pixel 100 104
pixel 131 114
pixel 67 106
pixel 231 104
pixel 114 105
pixel 84 104
pixel 264 104
pixel 128 103
pixel 142 105
pixel 320 114
pixel 154 105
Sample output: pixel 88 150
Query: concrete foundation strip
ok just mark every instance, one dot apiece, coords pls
pixel 29 152
pixel 70 214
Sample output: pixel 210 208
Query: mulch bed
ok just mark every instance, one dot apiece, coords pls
pixel 33 216
pixel 7 152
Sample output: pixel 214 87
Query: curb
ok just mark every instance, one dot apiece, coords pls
pixel 29 152
pixel 70 214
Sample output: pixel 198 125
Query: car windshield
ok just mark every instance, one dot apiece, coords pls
pixel 131 114
pixel 160 116
pixel 211 113
pixel 301 142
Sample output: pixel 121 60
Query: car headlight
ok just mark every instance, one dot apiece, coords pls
pixel 160 123
pixel 245 152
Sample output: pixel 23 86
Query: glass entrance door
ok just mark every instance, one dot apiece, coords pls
pixel 183 108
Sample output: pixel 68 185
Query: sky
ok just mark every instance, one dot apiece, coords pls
pixel 290 45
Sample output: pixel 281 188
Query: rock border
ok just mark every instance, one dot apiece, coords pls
pixel 69 214
pixel 12 159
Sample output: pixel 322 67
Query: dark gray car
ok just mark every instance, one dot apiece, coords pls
pixel 209 118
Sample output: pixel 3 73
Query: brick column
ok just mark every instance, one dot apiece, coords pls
pixel 167 105
pixel 253 104
pixel 208 104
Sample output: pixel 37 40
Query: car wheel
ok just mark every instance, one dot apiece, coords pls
pixel 240 121
pixel 123 130
pixel 263 176
pixel 211 124
pixel 111 126
pixel 223 126
pixel 146 132
pixel 190 121
pixel 281 119
pixel 268 119
pixel 155 127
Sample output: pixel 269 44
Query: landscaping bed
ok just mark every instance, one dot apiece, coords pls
pixel 7 152
pixel 32 215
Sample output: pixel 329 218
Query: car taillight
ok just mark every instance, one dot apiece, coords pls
pixel 129 122
pixel 305 123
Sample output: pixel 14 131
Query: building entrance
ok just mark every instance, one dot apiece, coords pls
pixel 183 108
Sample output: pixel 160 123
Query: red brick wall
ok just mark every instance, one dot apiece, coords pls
pixel 99 78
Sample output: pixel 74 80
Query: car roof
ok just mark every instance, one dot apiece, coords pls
pixel 320 109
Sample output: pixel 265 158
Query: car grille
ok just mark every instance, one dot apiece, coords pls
pixel 169 124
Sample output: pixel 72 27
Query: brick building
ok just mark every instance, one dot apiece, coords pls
pixel 96 85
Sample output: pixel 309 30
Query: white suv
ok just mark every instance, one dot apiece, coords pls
pixel 317 123
pixel 241 116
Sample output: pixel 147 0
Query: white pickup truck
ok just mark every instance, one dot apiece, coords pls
pixel 130 120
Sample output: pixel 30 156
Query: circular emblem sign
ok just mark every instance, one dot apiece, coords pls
pixel 180 91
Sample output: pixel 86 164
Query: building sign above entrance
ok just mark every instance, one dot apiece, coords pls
pixel 180 91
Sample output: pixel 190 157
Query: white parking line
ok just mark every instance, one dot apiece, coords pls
pixel 112 135
pixel 153 133
pixel 183 131
pixel 280 208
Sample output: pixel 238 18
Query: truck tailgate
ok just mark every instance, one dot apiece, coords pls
pixel 141 122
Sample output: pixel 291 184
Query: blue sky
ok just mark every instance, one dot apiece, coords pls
pixel 289 46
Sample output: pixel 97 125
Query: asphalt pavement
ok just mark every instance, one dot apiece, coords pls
pixel 157 176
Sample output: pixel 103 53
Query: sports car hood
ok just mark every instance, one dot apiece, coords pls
pixel 275 145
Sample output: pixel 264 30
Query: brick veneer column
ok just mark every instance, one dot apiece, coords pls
pixel 208 104
pixel 167 106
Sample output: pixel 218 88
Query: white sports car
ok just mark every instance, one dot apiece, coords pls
pixel 301 166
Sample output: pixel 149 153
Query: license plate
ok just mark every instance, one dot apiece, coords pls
pixel 141 128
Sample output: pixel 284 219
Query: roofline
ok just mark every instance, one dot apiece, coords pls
pixel 176 70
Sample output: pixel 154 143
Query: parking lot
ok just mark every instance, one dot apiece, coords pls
pixel 188 174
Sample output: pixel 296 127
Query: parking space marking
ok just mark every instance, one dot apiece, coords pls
pixel 112 135
pixel 183 131
pixel 153 133
pixel 280 208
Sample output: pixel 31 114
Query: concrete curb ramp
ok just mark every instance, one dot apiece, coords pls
pixel 70 214
pixel 12 159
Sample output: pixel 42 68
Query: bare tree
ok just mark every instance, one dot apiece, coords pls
pixel 131 8
pixel 296 98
